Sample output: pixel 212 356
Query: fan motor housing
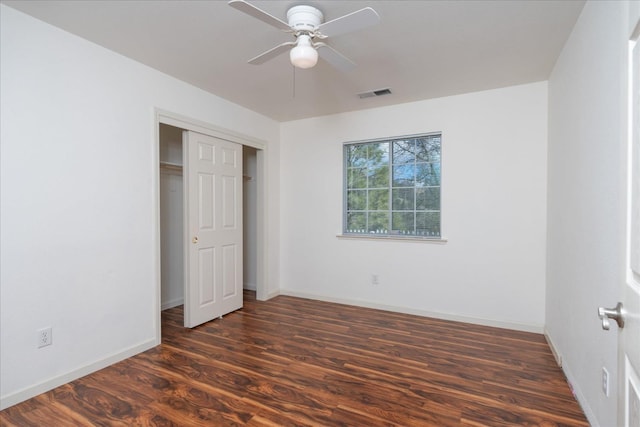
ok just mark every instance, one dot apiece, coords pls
pixel 304 18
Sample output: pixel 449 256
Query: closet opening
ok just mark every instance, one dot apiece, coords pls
pixel 173 209
pixel 171 218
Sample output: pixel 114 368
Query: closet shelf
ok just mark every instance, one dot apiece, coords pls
pixel 171 166
pixel 175 167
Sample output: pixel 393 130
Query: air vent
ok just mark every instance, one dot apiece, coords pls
pixel 372 93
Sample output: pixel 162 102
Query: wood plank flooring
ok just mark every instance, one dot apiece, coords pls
pixel 297 362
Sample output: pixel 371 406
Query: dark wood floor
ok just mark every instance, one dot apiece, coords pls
pixel 296 362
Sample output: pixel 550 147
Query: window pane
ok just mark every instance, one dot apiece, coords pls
pixel 356 155
pixel 378 154
pixel 356 222
pixel 428 198
pixel 402 222
pixel 427 174
pixel 428 149
pixel 378 222
pixel 378 200
pixel 403 176
pixel 356 200
pixel 403 199
pixel 357 178
pixel 428 223
pixel 404 151
pixel 379 177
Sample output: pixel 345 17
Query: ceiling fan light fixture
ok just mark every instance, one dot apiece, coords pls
pixel 307 24
pixel 304 55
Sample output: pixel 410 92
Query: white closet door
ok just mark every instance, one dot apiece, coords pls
pixel 213 168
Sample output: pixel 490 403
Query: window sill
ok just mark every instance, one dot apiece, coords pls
pixel 414 239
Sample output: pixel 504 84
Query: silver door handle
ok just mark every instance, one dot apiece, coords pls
pixel 611 313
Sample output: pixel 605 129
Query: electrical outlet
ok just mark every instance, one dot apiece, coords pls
pixel 44 337
pixel 375 280
pixel 605 381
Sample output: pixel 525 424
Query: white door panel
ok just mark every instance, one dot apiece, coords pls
pixel 230 267
pixel 629 338
pixel 206 277
pixel 214 224
pixel 206 194
pixel 229 194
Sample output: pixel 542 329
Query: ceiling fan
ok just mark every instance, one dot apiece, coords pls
pixel 305 22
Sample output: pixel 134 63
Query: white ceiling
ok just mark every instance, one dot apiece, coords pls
pixel 420 50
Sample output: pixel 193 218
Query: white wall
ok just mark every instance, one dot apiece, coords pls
pixel 491 270
pixel 78 198
pixel 585 245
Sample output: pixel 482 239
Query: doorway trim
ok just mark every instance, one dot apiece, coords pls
pixel 186 123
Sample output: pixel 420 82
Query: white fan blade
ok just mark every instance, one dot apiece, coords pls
pixel 260 14
pixel 271 53
pixel 354 21
pixel 334 57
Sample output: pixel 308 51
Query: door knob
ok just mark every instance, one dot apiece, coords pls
pixel 195 239
pixel 611 313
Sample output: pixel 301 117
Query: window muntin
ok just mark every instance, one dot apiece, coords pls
pixel 392 187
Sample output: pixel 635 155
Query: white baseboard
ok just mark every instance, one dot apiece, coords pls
pixel 443 316
pixel 577 393
pixel 554 349
pixel 260 296
pixel 575 389
pixel 32 391
pixel 273 294
pixel 170 304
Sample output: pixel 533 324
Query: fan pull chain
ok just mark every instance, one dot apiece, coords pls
pixel 294 82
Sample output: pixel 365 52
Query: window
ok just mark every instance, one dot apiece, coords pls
pixel 392 187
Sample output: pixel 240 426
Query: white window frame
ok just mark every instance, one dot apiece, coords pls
pixel 433 238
